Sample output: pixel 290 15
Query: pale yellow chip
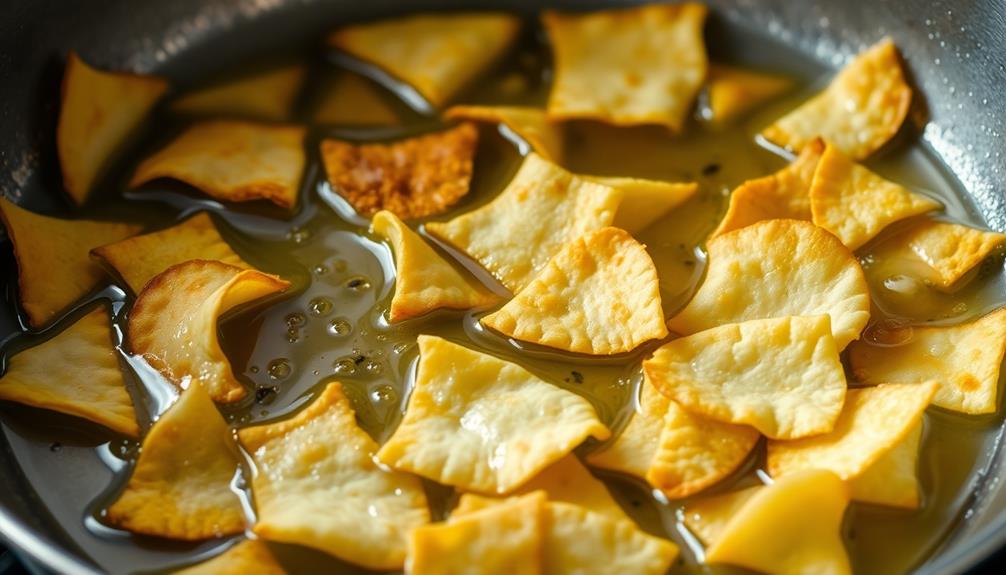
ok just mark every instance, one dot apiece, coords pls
pixel 250 557
pixel 317 485
pixel 642 65
pixel 707 516
pixel 545 206
pixel 437 54
pixel 964 359
pixel 951 250
pixel 233 161
pixel 351 99
pixel 599 295
pixel 77 372
pixel 734 91
pixel 483 424
pixel 893 480
pixel 858 112
pixel 138 259
pixel 530 124
pixel 645 201
pixel 180 487
pixel 265 95
pixel 54 269
pixel 777 268
pixel 634 449
pixel 100 111
pixel 781 376
pixel 173 323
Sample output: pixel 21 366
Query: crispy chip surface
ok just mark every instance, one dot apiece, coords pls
pixel 641 65
pixel 266 95
pixel 456 433
pixel 531 124
pixel 892 480
pixel 173 323
pixel 777 268
pixel 633 450
pixel 951 250
pixel 352 99
pixel 318 485
pixel 599 295
pixel 707 516
pixel 250 557
pixel 645 201
pixel 233 161
pixel 858 112
pixel 735 91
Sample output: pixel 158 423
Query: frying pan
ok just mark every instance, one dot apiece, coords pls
pixel 955 51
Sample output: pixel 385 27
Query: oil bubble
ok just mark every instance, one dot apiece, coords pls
pixel 295 319
pixel 373 367
pixel 358 283
pixel 384 394
pixel 319 270
pixel 279 368
pixel 339 326
pixel 319 307
pixel 344 366
pixel 298 235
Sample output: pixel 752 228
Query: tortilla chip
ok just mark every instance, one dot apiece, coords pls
pixel 892 479
pixel 781 376
pixel 641 65
pixel 543 205
pixel 317 485
pixel 645 201
pixel 173 323
pixel 858 112
pixel 633 450
pixel 531 124
pixel 599 295
pixel 951 250
pixel 250 557
pixel 777 268
pixel 266 95
pixel 99 112
pixel 77 372
pixel 454 431
pixel 351 99
pixel 964 359
pixel 413 178
pixel 437 54
pixel 181 485
pixel 734 91
pixel 54 270
pixel 706 517
pixel 139 258
pixel 233 161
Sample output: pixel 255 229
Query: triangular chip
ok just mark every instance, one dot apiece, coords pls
pixel 951 250
pixel 100 111
pixel 266 95
pixel 893 480
pixel 634 449
pixel 354 100
pixel 181 485
pixel 77 372
pixel 782 376
pixel 543 205
pixel 734 91
pixel 858 112
pixel 173 323
pixel 54 268
pixel 530 124
pixel 707 516
pixel 642 65
pixel 599 295
pixel 777 268
pixel 233 161
pixel 454 431
pixel 250 557
pixel 412 178
pixel 138 259
pixel 437 54
pixel 964 359
pixel 645 201
pixel 317 485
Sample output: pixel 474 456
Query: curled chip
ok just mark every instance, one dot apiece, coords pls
pixel 181 485
pixel 173 323
pixel 100 111
pixel 574 207
pixel 734 91
pixel 777 268
pixel 250 557
pixel 530 124
pixel 233 161
pixel 855 204
pixel 138 259
pixel 351 99
pixel 318 485
pixel 630 66
pixel 858 112
pixel 951 250
pixel 706 517
pixel 76 372
pixel 964 359
pixel 634 449
pixel 437 54
pixel 54 269
pixel 266 95
pixel 645 201
pixel 454 431
pixel 782 376
pixel 599 295
pixel 412 178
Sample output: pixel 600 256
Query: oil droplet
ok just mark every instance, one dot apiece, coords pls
pixel 358 283
pixel 295 319
pixel 319 307
pixel 298 235
pixel 373 367
pixel 319 270
pixel 279 368
pixel 384 394
pixel 401 348
pixel 344 366
pixel 339 326
pixel 293 335
pixel 253 369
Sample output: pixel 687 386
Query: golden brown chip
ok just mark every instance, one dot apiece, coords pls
pixel 250 557
pixel 351 99
pixel 634 449
pixel 173 323
pixel 645 201
pixel 531 124
pixel 892 480
pixel 266 95
pixel 734 91
pixel 707 516
pixel 951 250
pixel 412 178
pixel 641 65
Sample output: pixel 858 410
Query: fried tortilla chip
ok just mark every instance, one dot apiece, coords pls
pixel 633 450
pixel 892 479
pixel 250 557
pixel 181 485
pixel 412 178
pixel 354 100
pixel 706 517
pixel 77 372
pixel 964 359
pixel 734 91
pixel 599 295
pixel 173 323
pixel 777 268
pixel 531 124
pixel 100 111
pixel 858 112
pixel 266 95
pixel 318 485
pixel 642 65
pixel 54 270
pixel 437 54
pixel 645 201
pixel 781 376
pixel 233 161
pixel 455 432
pixel 951 250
